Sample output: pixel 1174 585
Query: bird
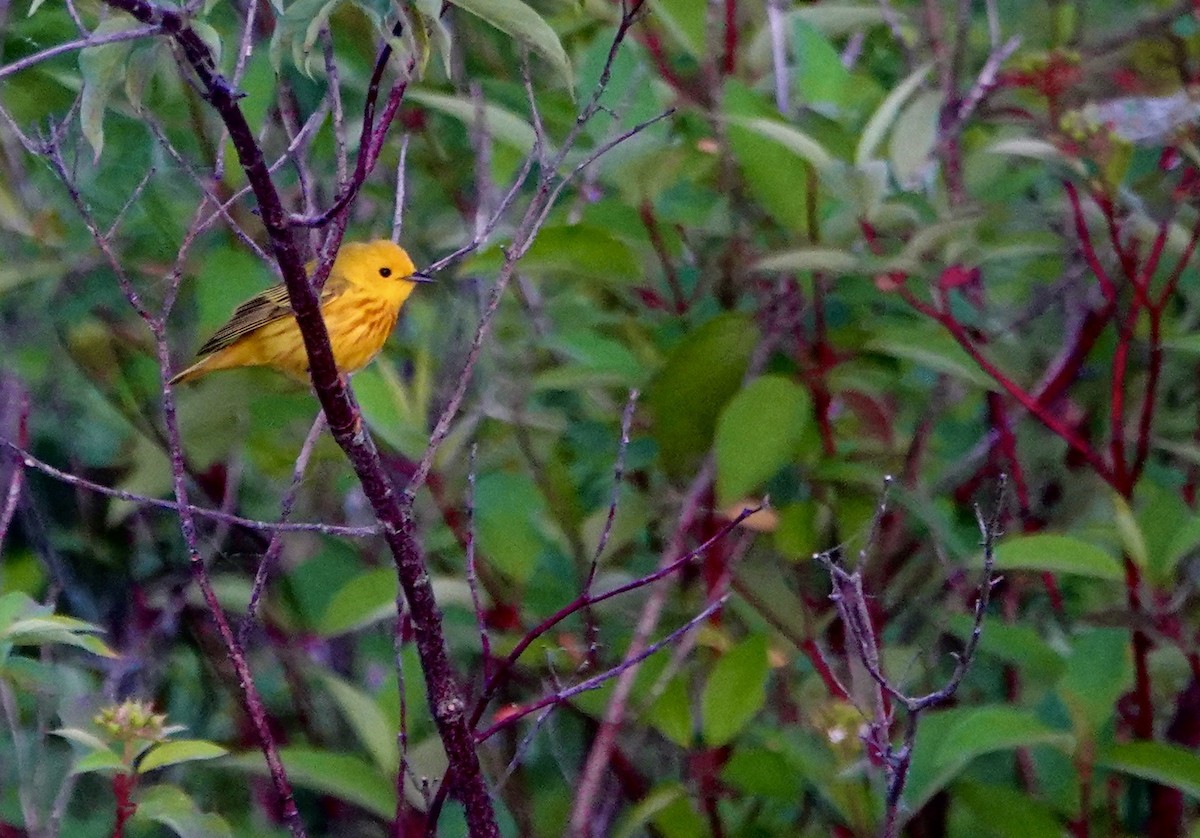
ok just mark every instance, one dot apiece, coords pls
pixel 361 299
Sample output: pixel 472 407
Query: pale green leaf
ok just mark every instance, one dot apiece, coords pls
pixel 501 124
pixel 793 139
pixel 177 751
pixel 880 121
pixel 171 807
pixel 912 141
pixel 512 17
pixel 758 434
pixel 983 730
pixel 101 68
pixel 369 722
pixel 828 259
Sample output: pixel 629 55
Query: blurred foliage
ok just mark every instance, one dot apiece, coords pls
pixel 745 264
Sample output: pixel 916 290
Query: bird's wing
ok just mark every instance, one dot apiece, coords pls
pixel 261 309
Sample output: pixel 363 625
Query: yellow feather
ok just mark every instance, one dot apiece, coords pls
pixel 361 300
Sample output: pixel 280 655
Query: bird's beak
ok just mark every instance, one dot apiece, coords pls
pixel 420 276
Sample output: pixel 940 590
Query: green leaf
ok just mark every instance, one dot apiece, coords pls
pixel 1132 539
pixel 177 751
pixel 371 597
pixel 834 20
pixel 86 738
pixel 934 350
pixel 684 20
pixel 508 509
pixel 828 259
pixel 984 730
pixel 370 723
pixel 644 812
pixel 1028 147
pixel 763 148
pixel 763 772
pixel 1158 762
pixel 880 121
pixel 793 139
pixel 1056 554
pixel 671 713
pixel 363 600
pixel 822 81
pixel 913 138
pixel 735 691
pixel 501 124
pixel 758 434
pixel 585 251
pixel 700 375
pixel 1006 812
pixel 343 776
pixel 1189 344
pixel 101 68
pixel 1099 671
pixel 171 807
pixel 1019 644
pixel 514 18
pixel 297 29
pixel 100 762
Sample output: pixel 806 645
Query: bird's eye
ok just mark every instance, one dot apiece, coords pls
pixel 385 272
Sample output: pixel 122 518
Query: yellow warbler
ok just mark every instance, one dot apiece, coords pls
pixel 360 302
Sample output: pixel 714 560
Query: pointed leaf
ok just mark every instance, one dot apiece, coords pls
pixel 171 807
pixel 735 691
pixel 512 17
pixel 1158 762
pixel 177 751
pixel 501 124
pixel 758 434
pixel 1057 554
pixel 101 68
pixel 880 121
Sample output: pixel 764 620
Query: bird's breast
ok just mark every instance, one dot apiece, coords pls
pixel 358 325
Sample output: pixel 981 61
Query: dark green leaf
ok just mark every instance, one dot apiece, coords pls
pixel 687 396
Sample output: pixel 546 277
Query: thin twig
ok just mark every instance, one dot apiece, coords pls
pixel 82 43
pixel 271 555
pixel 31 461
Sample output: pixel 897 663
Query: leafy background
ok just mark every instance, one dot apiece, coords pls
pixel 750 265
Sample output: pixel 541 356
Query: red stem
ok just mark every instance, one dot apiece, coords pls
pixel 1026 400
pixel 731 37
pixel 122 785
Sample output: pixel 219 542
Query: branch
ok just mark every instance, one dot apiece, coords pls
pixel 852 607
pixel 345 423
pixel 82 43
pixel 31 461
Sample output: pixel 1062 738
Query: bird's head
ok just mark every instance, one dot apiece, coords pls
pixel 369 263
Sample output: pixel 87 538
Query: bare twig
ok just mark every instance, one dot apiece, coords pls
pixel 31 461
pixel 485 643
pixel 851 603
pixel 271 554
pixel 82 43
pixel 588 785
pixel 596 681
pixel 401 169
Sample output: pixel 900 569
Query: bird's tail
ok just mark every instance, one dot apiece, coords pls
pixel 207 364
